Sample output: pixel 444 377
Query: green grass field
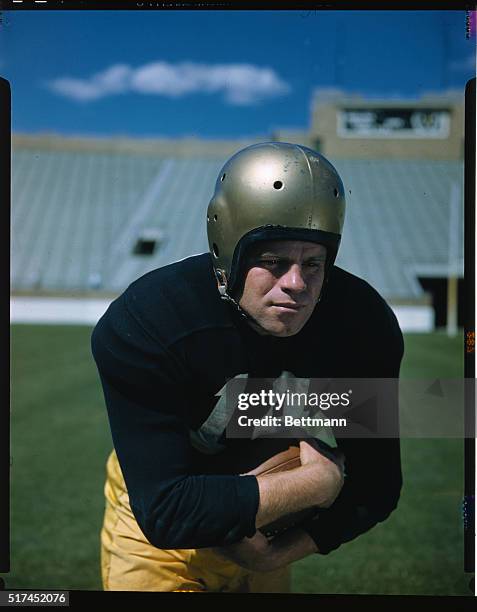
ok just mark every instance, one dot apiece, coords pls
pixel 60 441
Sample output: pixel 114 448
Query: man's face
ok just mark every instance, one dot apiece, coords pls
pixel 283 281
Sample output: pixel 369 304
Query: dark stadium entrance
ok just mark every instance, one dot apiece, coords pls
pixel 437 288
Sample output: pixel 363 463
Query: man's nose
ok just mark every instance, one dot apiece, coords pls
pixel 293 279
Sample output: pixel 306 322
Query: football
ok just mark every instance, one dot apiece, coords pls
pixel 287 459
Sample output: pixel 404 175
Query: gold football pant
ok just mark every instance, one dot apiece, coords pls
pixel 130 563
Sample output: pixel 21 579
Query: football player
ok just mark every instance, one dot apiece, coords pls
pixel 185 509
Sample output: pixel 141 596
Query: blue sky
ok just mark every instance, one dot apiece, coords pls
pixel 217 74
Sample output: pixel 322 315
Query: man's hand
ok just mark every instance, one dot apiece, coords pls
pixel 311 456
pixel 250 553
pixel 258 554
pixel 316 483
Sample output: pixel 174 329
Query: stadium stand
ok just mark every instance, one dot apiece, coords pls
pixel 77 218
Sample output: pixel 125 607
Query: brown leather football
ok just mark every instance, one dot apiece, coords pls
pixel 288 459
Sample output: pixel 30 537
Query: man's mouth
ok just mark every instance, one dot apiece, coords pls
pixel 291 306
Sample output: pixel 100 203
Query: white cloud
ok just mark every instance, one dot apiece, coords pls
pixel 240 84
pixel 114 80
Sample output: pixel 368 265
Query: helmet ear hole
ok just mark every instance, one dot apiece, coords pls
pixel 278 185
pixel 215 249
pixel 336 192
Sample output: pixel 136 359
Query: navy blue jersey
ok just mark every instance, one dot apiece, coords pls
pixel 168 344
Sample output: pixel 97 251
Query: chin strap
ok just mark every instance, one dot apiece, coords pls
pixel 227 298
pixel 222 287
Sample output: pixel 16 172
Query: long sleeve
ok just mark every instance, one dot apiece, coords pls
pixel 370 493
pixel 373 465
pixel 145 388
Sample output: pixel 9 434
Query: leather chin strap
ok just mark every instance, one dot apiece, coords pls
pixel 227 298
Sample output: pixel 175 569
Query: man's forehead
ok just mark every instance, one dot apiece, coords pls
pixel 285 247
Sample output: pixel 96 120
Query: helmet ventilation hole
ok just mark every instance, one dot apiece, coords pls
pixel 215 249
pixel 336 192
pixel 278 184
pixel 222 178
pixel 208 219
pixel 215 217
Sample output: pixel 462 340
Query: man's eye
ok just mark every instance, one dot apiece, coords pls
pixel 269 262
